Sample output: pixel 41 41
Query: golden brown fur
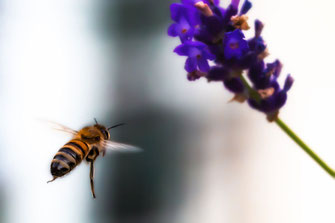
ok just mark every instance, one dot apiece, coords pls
pixel 86 144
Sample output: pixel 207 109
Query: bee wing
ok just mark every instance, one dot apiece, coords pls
pixel 121 147
pixel 62 128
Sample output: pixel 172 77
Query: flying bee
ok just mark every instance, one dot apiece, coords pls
pixel 87 144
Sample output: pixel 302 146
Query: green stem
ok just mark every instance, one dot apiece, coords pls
pixel 308 150
pixel 254 94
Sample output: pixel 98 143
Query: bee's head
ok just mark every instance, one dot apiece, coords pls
pixel 103 130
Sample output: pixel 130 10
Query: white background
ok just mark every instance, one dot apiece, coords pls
pixel 52 66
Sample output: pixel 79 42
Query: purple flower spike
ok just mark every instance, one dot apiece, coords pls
pixel 211 32
pixel 197 53
pixel 235 46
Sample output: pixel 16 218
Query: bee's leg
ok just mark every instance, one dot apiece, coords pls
pixel 91 177
pixel 52 179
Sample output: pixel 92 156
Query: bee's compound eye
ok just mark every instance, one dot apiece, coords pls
pixel 105 133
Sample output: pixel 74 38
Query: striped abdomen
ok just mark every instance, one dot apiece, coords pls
pixel 68 157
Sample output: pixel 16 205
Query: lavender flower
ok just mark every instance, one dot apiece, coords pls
pixel 185 19
pixel 211 32
pixel 197 53
pixel 234 44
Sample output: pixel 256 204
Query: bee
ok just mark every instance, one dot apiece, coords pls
pixel 86 144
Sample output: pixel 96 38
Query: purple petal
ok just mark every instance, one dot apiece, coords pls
pixel 218 73
pixel 190 13
pixel 245 7
pixel 197 44
pixel 203 65
pixel 208 55
pixel 288 83
pixel 189 2
pixel 278 68
pixel 173 30
pixel 273 69
pixel 235 3
pixel 257 44
pixel 279 100
pixel 191 64
pixel 177 11
pixel 258 27
pixel 182 49
pixel 185 31
pixel 237 33
pixel 234 84
pixel 230 11
pixel 193 16
pixel 235 46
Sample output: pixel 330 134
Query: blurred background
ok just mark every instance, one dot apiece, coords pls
pixel 204 159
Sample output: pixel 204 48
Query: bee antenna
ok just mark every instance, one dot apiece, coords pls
pixel 114 126
pixel 96 122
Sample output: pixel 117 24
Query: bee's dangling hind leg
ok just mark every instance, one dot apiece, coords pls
pixel 52 179
pixel 92 178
